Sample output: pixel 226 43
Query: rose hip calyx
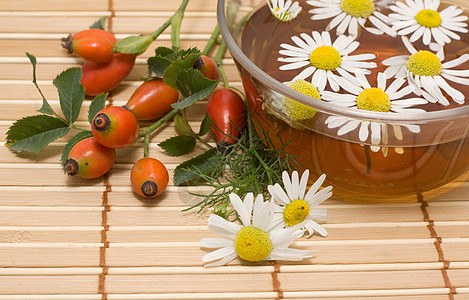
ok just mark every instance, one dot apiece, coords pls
pixel 149 188
pixel 101 122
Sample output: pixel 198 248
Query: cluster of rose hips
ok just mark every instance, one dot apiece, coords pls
pixel 116 127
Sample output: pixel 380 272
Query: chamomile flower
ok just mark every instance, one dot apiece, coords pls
pixel 324 60
pixel 382 99
pixel 349 15
pixel 297 209
pixel 284 11
pixel 426 72
pixel 423 20
pixel 255 239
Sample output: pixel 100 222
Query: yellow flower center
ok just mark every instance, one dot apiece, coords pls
pixel 325 58
pixel 295 212
pixel 374 99
pixel 424 63
pixel 428 18
pixel 253 244
pixel 358 8
pixel 297 111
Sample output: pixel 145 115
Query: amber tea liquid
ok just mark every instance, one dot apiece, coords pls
pixel 356 172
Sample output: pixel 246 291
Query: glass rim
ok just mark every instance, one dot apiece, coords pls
pixel 323 106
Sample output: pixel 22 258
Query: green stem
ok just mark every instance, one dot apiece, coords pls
pixel 148 130
pixel 218 60
pixel 203 142
pixel 146 145
pixel 78 127
pixel 212 41
pixel 178 14
pixel 253 148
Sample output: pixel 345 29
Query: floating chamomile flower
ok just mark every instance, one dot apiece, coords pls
pixel 349 14
pixel 426 72
pixel 319 57
pixel 284 11
pixel 381 99
pixel 422 19
pixel 252 241
pixel 296 208
pixel 295 110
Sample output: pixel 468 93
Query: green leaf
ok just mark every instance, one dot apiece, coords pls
pixel 205 125
pixel 203 163
pixel 182 125
pixel 35 132
pixel 71 92
pixel 157 64
pixel 178 145
pixel 96 105
pixel 163 58
pixel 199 87
pixel 135 44
pixel 46 108
pixel 72 142
pixel 100 24
pixel 179 64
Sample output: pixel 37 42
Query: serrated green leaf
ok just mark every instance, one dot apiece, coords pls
pixel 157 65
pixel 100 24
pixel 199 87
pixel 165 52
pixel 134 44
pixel 72 142
pixel 179 64
pixel 178 145
pixel 203 163
pixel 35 132
pixel 205 125
pixel 71 92
pixel 46 108
pixel 96 105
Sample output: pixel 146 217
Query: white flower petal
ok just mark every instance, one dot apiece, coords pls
pixel 225 255
pixel 244 209
pixel 215 243
pixel 222 227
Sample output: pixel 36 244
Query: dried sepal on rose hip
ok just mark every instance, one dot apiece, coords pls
pixel 115 127
pixel 89 159
pixel 208 67
pixel 149 177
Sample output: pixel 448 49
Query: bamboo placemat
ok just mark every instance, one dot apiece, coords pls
pixel 65 238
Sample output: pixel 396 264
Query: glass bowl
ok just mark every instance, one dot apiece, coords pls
pixel 415 152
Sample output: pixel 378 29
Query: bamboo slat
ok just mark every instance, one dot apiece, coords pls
pixel 68 238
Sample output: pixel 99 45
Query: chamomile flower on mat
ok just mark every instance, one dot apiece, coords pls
pixel 284 10
pixel 381 99
pixel 348 15
pixel 426 72
pixel 317 56
pixel 255 239
pixel 295 208
pixel 423 20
